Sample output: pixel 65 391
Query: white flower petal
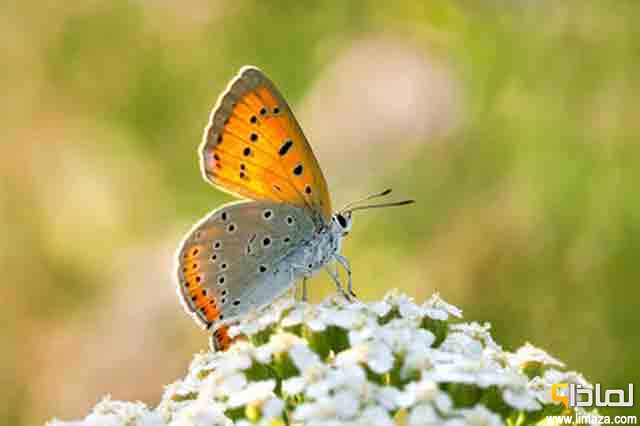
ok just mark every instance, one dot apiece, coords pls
pixel 410 310
pixel 347 404
pixel 480 416
pixel 294 385
pixel 263 354
pixel 423 415
pixel 436 302
pixel 282 342
pixel 529 353
pixel 316 325
pixel 478 332
pixel 231 364
pixel 381 308
pixel 303 357
pixel 380 358
pixel 295 317
pixel 232 383
pixel 361 335
pixel 272 408
pixel 314 411
pixel 461 343
pixel 521 400
pixel 344 319
pixel 254 392
pixel 435 314
pixel 376 416
pixel 389 397
pixel 202 413
pixel 377 356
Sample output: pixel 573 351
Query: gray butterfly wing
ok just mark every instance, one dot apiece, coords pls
pixel 233 260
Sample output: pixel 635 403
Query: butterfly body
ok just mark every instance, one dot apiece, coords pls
pixel 245 254
pixel 316 252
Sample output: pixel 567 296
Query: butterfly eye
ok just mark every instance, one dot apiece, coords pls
pixel 341 220
pixel 307 190
pixel 267 214
pixel 298 170
pixel 236 302
pixel 276 110
pixel 217 245
pixel 262 269
pixel 290 220
pixel 224 216
pixel 253 119
pixel 266 242
pixel 221 280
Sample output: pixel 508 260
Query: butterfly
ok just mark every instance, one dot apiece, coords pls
pixel 247 253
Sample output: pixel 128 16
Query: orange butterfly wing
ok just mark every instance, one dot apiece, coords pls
pixel 253 147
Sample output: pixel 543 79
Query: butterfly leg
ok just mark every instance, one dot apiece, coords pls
pixel 304 290
pixel 347 267
pixel 336 280
pixel 306 273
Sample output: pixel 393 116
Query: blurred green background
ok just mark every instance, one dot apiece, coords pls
pixel 514 124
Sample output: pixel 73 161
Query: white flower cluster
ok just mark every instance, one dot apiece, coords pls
pixel 340 363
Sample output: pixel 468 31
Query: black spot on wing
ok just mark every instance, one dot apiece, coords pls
pixel 286 146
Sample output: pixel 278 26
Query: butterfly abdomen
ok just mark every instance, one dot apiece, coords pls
pixel 313 255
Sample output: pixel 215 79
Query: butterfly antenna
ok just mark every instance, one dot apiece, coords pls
pixel 377 206
pixel 370 197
